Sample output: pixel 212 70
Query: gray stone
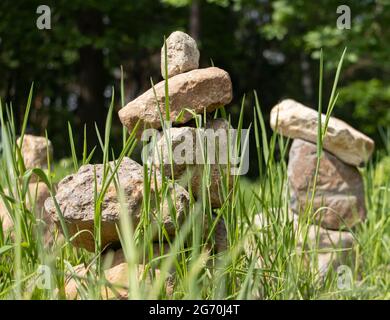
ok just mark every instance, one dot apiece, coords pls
pixel 188 162
pixel 35 199
pixel 34 152
pixel 75 197
pixel 339 196
pixel 116 281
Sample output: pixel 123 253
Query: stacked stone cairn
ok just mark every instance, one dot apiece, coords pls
pixel 339 203
pixel 190 88
pixel 198 90
pixel 34 153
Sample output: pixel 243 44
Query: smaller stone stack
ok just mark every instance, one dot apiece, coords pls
pixel 34 153
pixel 339 197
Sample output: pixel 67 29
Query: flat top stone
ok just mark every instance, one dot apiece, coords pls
pixel 196 90
pixel 182 54
pixel 292 119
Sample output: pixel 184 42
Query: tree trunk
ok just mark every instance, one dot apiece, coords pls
pixel 195 19
pixel 307 83
pixel 92 76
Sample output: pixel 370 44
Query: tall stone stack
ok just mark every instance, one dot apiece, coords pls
pixel 338 202
pixel 198 90
pixel 190 88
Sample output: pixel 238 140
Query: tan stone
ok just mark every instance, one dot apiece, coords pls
pixel 5 219
pixel 114 257
pixel 75 197
pixel 182 54
pixel 294 120
pixel 34 152
pixel 332 248
pixel 116 269
pixel 116 285
pixel 339 199
pixel 197 90
pixel 321 238
pixel 113 264
pixel 38 193
pixel 188 145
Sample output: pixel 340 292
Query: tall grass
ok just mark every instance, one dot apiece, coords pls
pixel 262 261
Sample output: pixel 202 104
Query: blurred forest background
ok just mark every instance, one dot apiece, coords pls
pixel 268 46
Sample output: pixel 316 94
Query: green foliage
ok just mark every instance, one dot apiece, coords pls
pixel 177 3
pixel 382 174
pixel 255 41
pixel 182 3
pixel 309 26
pixel 369 102
pixel 262 261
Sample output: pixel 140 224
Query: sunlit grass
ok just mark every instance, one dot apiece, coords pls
pixel 261 262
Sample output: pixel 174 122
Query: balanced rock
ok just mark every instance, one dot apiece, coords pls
pixel 34 152
pixel 294 120
pixel 339 197
pixel 197 90
pixel 182 54
pixel 75 197
pixel 192 148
